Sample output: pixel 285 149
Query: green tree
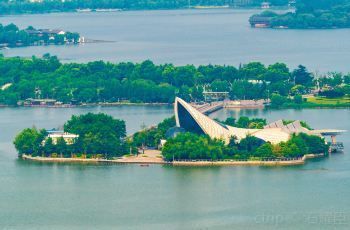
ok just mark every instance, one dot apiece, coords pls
pixel 26 141
pixel 298 99
pixel 301 76
pixel 98 134
pixel 49 147
pixel 278 100
pixel 264 151
pixel 62 147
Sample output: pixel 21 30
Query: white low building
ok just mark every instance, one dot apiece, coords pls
pixel 68 137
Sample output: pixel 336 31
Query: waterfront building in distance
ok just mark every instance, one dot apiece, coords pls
pixel 12 36
pixel 192 120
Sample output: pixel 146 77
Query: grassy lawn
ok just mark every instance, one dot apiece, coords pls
pixel 329 101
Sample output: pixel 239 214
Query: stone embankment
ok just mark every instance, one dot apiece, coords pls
pixel 154 157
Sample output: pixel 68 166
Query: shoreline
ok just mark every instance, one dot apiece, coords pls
pixel 90 105
pixel 159 161
pixel 114 104
pixel 248 8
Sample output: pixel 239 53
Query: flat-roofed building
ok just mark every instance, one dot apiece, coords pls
pixel 56 134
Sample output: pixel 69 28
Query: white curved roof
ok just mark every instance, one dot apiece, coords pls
pixel 272 135
pixel 274 132
pixel 224 132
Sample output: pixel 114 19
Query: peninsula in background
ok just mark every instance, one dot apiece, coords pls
pixel 309 14
pixel 12 36
pixel 48 6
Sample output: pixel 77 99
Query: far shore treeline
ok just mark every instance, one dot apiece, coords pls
pixel 102 136
pixel 310 14
pixel 99 81
pixel 47 6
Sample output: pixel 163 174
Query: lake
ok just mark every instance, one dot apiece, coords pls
pixel 74 196
pixel 218 36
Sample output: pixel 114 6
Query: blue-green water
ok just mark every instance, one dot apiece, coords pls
pixel 73 196
pixel 182 37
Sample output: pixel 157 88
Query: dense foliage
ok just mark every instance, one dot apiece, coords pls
pixel 245 122
pixel 11 36
pixel 314 14
pixel 189 146
pixel 29 141
pixel 100 81
pixel 151 137
pixel 100 135
pixel 25 6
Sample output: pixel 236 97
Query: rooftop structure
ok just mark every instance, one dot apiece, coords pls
pixel 215 96
pixel 45 31
pixel 39 102
pixel 56 134
pixel 192 120
pixel 260 21
pixel 265 5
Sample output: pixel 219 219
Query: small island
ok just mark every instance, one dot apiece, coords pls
pixel 325 14
pixel 84 136
pixel 12 36
pixel 189 138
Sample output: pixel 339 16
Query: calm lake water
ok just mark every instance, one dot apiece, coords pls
pixel 188 37
pixel 73 196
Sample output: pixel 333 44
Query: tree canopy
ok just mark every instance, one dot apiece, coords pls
pixel 100 135
pixel 190 146
pixel 313 14
pixel 12 36
pixel 101 81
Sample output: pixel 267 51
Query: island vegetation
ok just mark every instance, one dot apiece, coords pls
pixel 100 136
pixel 245 122
pixel 12 36
pixel 190 146
pixel 309 14
pixel 105 82
pixel 47 6
pixel 151 137
pixel 97 136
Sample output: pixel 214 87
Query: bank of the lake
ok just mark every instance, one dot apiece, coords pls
pixel 145 159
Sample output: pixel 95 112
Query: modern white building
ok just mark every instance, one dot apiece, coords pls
pixel 192 120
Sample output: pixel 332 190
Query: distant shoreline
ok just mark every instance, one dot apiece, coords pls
pixel 115 10
pixel 88 105
pixel 147 161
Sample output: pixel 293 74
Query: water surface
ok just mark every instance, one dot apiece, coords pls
pixel 220 36
pixel 74 196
